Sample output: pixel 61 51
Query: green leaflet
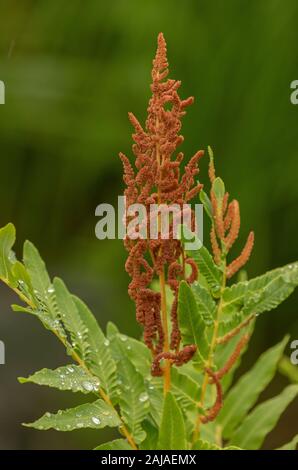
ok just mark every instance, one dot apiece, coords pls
pixel 185 389
pixel 218 188
pixel 229 323
pixel 94 415
pixel 206 203
pixel 205 445
pixel 71 319
pixel 233 298
pixel 205 303
pixel 13 272
pixel 207 268
pixel 117 444
pixel 71 377
pixel 133 399
pixel 292 445
pixel 44 296
pixel 208 432
pixel 140 356
pixel 23 280
pixel 172 435
pixel 38 275
pixel 245 393
pixel 192 325
pixel 155 391
pixel 209 273
pixel 99 359
pixel 150 443
pixel 255 427
pixel 135 350
pixel 269 298
pixel 262 293
pixel 133 394
pixel 7 239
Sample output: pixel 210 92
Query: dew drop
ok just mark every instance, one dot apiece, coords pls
pixel 106 342
pixel 12 256
pixel 70 369
pixel 88 386
pixel 143 397
pixel 95 420
pixel 51 290
pixel 96 385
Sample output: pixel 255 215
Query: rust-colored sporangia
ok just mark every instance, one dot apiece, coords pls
pixel 225 228
pixel 156 178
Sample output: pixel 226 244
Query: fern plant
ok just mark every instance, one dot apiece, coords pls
pixel 173 389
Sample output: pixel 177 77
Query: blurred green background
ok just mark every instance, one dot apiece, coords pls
pixel 72 71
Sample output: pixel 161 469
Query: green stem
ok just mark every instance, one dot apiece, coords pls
pixel 209 363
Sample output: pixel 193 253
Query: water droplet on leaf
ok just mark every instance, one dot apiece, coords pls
pixel 143 397
pixel 95 420
pixel 88 386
